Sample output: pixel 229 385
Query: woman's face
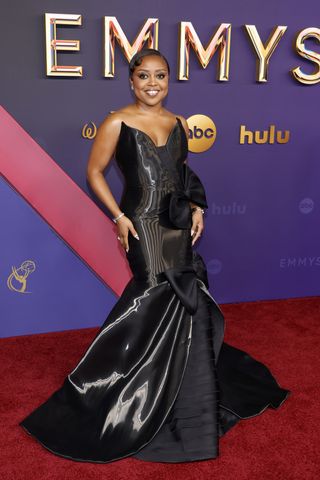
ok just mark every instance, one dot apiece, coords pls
pixel 150 80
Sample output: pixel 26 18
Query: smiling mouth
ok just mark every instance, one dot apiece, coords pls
pixel 152 93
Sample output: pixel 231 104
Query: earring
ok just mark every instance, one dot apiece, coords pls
pixel 131 87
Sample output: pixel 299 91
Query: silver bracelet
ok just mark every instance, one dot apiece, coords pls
pixel 115 219
pixel 197 208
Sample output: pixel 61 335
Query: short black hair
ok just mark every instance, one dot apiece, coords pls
pixel 137 59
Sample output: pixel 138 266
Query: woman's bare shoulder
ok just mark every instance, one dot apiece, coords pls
pixel 115 117
pixel 183 120
pixel 184 123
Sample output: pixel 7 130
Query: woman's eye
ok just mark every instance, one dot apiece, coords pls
pixel 144 75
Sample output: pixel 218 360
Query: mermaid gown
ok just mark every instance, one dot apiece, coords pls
pixel 158 382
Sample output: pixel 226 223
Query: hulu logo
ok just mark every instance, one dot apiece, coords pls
pixel 266 136
pixel 234 209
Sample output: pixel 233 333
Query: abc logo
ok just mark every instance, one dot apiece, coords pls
pixel 306 205
pixel 202 133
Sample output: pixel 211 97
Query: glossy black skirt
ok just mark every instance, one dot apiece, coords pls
pixel 157 383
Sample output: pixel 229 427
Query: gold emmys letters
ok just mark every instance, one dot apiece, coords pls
pixel 149 33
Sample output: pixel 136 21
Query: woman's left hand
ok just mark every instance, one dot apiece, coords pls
pixel 197 225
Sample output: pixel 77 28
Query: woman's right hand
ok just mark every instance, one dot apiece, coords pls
pixel 125 226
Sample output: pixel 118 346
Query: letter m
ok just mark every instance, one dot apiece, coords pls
pixel 113 31
pixel 221 38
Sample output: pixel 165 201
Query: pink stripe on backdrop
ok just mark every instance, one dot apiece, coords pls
pixel 61 203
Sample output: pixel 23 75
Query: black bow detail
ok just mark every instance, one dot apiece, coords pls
pixel 193 191
pixel 183 280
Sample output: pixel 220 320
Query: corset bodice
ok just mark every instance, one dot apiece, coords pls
pixel 146 165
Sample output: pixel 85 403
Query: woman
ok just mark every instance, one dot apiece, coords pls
pixel 157 383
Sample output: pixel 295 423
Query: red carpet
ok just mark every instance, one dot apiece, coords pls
pixel 279 444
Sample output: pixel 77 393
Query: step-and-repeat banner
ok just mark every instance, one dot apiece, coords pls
pixel 245 76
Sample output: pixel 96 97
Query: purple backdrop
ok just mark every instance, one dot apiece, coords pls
pixel 262 232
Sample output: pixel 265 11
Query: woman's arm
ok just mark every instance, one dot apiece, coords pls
pixel 101 153
pixel 197 216
pixel 186 128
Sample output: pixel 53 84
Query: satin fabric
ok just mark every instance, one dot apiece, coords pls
pixel 157 381
pixel 193 191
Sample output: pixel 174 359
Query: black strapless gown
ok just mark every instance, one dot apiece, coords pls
pixel 157 382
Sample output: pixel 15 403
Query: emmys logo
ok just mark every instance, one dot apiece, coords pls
pixel 298 262
pixel 202 133
pixel 266 136
pixel 17 280
pixel 306 205
pixel 89 131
